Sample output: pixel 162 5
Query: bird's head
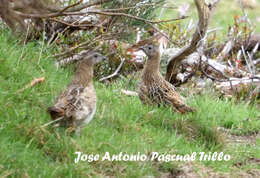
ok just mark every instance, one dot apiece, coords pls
pixel 93 57
pixel 150 49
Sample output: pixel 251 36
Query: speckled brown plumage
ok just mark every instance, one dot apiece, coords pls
pixel 154 89
pixel 77 104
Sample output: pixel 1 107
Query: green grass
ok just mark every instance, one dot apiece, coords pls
pixel 223 16
pixel 121 124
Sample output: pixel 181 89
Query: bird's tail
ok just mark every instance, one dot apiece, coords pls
pixel 55 112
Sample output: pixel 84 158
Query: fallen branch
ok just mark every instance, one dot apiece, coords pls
pixel 129 93
pixel 204 13
pixel 115 73
pixel 211 66
pixel 207 75
pixel 32 83
pixel 225 51
pixel 51 122
pixel 235 85
pixel 257 61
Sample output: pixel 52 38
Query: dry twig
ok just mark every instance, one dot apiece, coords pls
pixel 32 83
pixel 129 93
pixel 51 122
pixel 115 73
pixel 204 12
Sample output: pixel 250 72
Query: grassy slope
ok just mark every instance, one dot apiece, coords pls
pixel 121 124
pixel 223 15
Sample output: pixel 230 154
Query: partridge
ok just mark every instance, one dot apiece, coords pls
pixel 154 89
pixel 76 106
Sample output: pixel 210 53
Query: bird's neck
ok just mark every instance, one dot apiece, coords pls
pixel 83 75
pixel 152 66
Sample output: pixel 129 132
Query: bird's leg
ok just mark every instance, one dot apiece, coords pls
pixel 77 131
pixel 76 126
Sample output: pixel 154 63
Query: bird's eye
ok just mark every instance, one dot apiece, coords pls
pixel 95 56
pixel 149 47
